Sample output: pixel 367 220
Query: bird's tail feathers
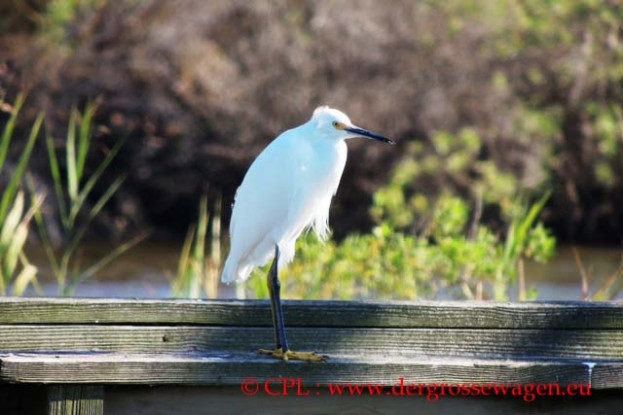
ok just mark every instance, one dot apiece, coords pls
pixel 235 272
pixel 238 269
pixel 320 222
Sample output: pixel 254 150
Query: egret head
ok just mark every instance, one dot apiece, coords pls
pixel 335 124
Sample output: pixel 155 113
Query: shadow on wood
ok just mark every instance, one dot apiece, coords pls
pixel 82 347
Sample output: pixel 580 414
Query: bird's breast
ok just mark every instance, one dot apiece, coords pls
pixel 320 172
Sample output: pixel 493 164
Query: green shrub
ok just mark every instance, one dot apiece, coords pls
pixel 427 246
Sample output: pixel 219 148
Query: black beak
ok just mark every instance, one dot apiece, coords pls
pixel 369 134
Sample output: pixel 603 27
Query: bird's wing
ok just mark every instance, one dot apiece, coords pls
pixel 318 175
pixel 333 174
pixel 287 189
pixel 260 208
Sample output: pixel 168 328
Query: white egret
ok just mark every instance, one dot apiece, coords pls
pixel 287 189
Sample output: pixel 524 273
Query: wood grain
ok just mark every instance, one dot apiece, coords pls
pixel 75 399
pixel 161 400
pixel 232 369
pixel 491 343
pixel 91 342
pixel 425 314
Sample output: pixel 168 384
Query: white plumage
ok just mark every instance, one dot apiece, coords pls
pixel 287 189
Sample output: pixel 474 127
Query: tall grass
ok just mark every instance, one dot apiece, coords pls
pixel 72 192
pixel 608 289
pixel 13 236
pixel 191 266
pixel 198 271
pixel 213 263
pixel 521 242
pixel 16 272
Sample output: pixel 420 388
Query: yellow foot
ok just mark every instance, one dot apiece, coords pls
pixel 292 355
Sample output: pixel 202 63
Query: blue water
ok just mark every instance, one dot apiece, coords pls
pixel 146 272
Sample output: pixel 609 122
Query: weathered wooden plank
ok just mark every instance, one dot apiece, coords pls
pixel 432 314
pixel 489 343
pixel 608 375
pixel 75 400
pixel 198 400
pixel 232 369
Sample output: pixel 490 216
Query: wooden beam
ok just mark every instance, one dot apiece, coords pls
pixel 492 343
pixel 188 400
pixel 232 369
pixel 421 314
pixel 75 400
pixel 78 344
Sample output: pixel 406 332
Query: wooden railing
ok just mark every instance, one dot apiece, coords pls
pixel 79 356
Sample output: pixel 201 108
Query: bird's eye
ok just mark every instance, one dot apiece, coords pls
pixel 338 125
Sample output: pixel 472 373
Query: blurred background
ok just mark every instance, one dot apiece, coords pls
pixel 508 116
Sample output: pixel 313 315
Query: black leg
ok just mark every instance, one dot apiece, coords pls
pixel 274 287
pixel 282 351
